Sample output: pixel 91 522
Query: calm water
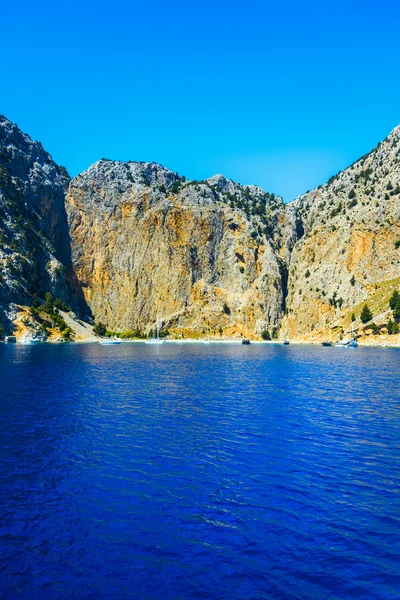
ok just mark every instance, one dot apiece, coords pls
pixel 193 471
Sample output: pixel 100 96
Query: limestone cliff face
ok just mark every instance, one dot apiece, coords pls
pixel 133 241
pixel 146 242
pixel 33 224
pixel 350 227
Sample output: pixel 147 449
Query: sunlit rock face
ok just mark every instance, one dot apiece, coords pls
pixel 134 242
pixel 200 255
pixel 351 226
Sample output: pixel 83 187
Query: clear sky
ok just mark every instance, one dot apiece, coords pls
pixel 280 94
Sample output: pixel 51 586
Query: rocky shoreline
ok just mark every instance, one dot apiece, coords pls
pixel 363 344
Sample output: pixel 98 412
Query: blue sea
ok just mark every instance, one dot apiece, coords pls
pixel 198 471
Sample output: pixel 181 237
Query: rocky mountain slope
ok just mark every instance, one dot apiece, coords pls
pixel 351 226
pixel 203 256
pixel 133 242
pixel 34 252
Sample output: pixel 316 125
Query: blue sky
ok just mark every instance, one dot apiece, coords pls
pixel 282 95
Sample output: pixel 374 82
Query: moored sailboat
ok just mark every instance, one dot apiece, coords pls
pixel 157 339
pixel 246 340
pixel 353 341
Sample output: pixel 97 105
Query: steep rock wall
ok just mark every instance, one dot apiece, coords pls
pixel 146 243
pixel 351 226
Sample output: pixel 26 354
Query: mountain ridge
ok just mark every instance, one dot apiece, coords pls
pixel 133 239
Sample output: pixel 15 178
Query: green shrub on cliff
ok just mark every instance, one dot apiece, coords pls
pixel 394 300
pixel 48 305
pixel 392 327
pixel 100 329
pixel 67 334
pixel 366 314
pixel 58 303
pixel 394 303
pixel 226 309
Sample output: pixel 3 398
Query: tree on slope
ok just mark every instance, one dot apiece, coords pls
pixel 394 304
pixel 366 314
pixel 100 329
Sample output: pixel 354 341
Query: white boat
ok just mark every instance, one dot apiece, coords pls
pixel 245 340
pixel 353 341
pixel 207 341
pixel 29 341
pixel 109 342
pixel 351 344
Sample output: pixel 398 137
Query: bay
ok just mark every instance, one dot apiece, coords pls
pixel 199 471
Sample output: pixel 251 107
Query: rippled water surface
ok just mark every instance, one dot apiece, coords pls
pixel 193 471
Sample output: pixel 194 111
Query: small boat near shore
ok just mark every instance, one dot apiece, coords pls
pixel 286 342
pixel 353 341
pixel 350 344
pixel 246 342
pixel 109 342
pixel 157 339
pixel 29 341
pixel 327 344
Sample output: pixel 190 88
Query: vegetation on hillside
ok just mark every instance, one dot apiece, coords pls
pixel 366 314
pixel 47 315
pixel 394 304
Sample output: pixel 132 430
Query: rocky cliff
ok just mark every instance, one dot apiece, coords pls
pixel 348 250
pixel 134 242
pixel 203 256
pixel 34 249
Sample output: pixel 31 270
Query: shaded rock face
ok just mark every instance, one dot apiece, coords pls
pixel 145 242
pixel 33 226
pixel 42 183
pixel 350 225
